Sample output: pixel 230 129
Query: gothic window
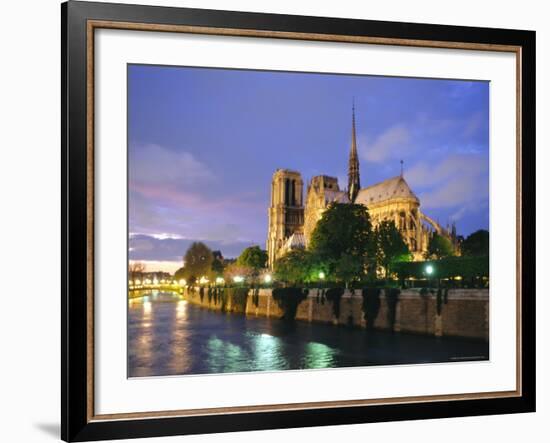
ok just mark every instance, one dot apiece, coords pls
pixel 402 221
pixel 287 192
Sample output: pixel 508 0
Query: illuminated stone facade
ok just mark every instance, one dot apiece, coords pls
pixel 286 212
pixel 291 224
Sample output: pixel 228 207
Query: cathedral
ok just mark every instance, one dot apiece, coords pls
pixel 291 221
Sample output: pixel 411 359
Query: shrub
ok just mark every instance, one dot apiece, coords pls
pixel 465 267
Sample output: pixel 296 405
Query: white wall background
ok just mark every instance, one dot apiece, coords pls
pixel 30 220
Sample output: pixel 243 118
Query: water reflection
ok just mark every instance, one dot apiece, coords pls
pixel 168 336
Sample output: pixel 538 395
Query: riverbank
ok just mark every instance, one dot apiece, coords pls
pixel 168 335
pixel 455 313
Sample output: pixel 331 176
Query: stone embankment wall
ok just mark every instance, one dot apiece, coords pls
pixel 462 313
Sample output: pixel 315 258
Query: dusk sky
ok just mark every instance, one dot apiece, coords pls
pixel 204 143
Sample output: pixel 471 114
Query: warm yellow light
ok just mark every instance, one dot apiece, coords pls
pixel 219 281
pixel 322 275
pixel 155 281
pixel 458 277
pixel 147 281
pixel 267 278
pixel 163 281
pixel 137 282
pixel 147 306
pixel 182 282
pixel 203 280
pixel 238 279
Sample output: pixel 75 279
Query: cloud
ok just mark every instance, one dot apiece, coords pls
pixel 172 195
pixel 152 164
pixel 148 248
pixel 459 182
pixel 426 173
pixel 390 144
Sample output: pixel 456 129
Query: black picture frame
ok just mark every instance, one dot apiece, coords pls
pixel 76 423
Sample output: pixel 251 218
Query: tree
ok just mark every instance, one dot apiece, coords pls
pixel 217 268
pixel 179 274
pixel 346 268
pixel 253 257
pixel 136 270
pixel 296 266
pixel 235 270
pixel 198 261
pixel 343 229
pixel 476 244
pixel 390 246
pixel 439 247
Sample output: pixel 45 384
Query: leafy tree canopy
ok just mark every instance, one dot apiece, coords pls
pixel 476 244
pixel 179 274
pixel 235 269
pixel 217 267
pixel 253 257
pixel 297 266
pixel 390 246
pixel 439 247
pixel 198 261
pixel 344 229
pixel 346 268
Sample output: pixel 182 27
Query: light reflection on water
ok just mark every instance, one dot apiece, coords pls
pixel 168 336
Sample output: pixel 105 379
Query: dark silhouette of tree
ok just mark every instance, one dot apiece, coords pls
pixel 198 261
pixel 476 244
pixel 136 270
pixel 294 267
pixel 253 257
pixel 179 274
pixel 439 247
pixel 343 229
pixel 390 246
pixel 343 239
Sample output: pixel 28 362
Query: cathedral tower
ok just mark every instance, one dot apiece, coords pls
pixel 286 213
pixel 354 182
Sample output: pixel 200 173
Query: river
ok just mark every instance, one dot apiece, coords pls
pixel 169 336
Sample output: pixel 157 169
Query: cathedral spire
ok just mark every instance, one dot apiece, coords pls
pixel 354 182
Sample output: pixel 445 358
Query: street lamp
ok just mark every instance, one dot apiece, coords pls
pixel 429 269
pixel 219 280
pixel 238 279
pixel 267 278
pixel 321 275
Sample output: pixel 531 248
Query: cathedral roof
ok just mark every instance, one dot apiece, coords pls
pixel 295 241
pixel 336 196
pixel 395 187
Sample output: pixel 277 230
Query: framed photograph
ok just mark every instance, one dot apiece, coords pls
pixel 277 221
